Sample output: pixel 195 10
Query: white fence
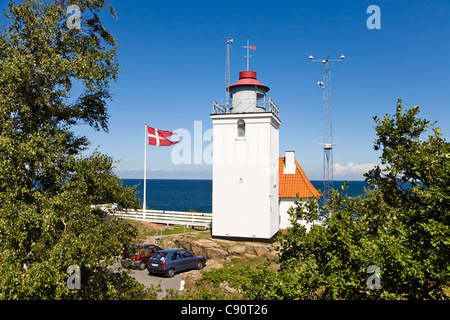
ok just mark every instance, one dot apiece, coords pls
pixel 193 219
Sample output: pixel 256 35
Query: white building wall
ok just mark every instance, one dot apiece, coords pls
pixel 245 176
pixel 285 204
pixel 274 192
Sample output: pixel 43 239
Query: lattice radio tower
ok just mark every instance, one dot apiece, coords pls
pixel 327 126
pixel 227 73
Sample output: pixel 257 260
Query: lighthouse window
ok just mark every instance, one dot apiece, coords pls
pixel 241 128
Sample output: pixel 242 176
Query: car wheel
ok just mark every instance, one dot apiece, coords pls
pixel 142 265
pixel 200 265
pixel 170 273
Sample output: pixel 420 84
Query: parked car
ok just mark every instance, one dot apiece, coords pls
pixel 139 255
pixel 170 261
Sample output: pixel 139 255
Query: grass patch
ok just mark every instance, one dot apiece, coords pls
pixel 252 262
pixel 232 281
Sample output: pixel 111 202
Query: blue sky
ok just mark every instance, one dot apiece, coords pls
pixel 172 58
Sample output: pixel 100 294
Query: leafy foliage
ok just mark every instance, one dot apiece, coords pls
pixel 401 225
pixel 48 190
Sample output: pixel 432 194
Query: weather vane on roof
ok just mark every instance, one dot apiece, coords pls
pixel 248 56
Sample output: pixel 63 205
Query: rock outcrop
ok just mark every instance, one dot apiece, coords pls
pixel 217 249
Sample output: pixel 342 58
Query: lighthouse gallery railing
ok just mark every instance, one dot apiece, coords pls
pixel 224 106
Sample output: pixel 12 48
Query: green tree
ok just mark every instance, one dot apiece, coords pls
pixel 48 189
pixel 400 225
pixel 416 183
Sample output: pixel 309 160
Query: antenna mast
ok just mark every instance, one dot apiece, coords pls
pixel 328 129
pixel 227 73
pixel 248 56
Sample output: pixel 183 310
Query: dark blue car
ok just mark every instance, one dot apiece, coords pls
pixel 170 261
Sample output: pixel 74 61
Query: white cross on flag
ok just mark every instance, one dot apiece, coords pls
pixel 159 137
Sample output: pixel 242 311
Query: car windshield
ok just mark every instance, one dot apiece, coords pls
pixel 134 250
pixel 154 248
pixel 160 256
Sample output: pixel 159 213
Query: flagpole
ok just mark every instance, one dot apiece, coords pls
pixel 145 173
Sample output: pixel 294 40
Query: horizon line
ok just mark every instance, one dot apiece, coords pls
pixel 140 179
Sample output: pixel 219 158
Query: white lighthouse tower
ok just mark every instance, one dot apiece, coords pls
pixel 245 162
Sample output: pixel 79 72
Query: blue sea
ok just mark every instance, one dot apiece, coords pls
pixel 185 195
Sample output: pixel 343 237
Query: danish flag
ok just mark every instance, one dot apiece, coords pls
pixel 159 137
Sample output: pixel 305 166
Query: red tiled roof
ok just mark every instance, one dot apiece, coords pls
pixel 291 184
